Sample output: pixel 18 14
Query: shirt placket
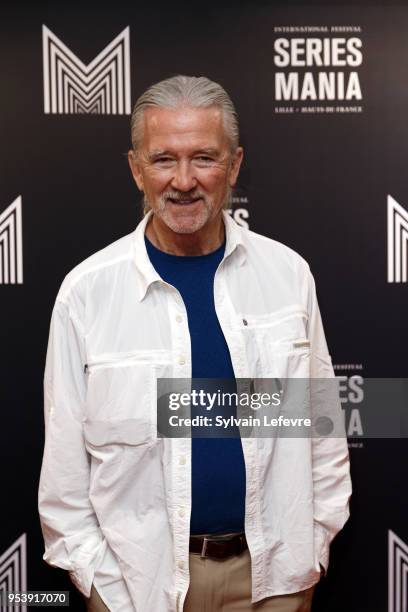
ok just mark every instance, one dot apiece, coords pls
pixel 180 465
pixel 236 345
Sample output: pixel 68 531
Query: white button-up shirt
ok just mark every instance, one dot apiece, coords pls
pixel 114 498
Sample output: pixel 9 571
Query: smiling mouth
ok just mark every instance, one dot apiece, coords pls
pixel 183 201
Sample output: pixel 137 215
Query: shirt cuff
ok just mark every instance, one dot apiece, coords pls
pixel 322 547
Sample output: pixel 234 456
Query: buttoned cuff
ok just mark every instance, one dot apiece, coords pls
pixel 82 574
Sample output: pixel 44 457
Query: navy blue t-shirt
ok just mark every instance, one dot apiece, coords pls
pixel 218 468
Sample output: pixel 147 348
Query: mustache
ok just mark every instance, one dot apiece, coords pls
pixel 182 195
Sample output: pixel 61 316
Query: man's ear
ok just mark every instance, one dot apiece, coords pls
pixel 236 165
pixel 135 168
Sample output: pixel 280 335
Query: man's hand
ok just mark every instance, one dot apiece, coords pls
pixel 307 603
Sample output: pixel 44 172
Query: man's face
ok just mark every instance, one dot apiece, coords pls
pixel 184 166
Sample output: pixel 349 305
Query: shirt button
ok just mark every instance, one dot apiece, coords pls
pixel 181 512
pixel 182 361
pixel 182 460
pixel 180 564
pixel 179 318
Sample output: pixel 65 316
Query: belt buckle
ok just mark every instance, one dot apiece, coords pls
pixel 204 547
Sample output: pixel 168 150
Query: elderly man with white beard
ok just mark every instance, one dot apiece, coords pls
pixel 161 524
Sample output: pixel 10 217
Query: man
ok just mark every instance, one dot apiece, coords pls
pixel 159 524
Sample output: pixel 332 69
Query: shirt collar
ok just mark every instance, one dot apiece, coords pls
pixel 235 241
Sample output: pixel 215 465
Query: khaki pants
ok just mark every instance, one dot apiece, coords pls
pixel 225 586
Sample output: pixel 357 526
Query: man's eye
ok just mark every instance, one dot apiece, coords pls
pixel 204 158
pixel 163 160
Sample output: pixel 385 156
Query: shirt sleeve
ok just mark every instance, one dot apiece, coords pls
pixel 72 536
pixel 331 467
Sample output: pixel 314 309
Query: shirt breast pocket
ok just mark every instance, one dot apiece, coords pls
pixel 277 343
pixel 122 397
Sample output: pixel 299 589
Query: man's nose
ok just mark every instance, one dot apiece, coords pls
pixel 184 178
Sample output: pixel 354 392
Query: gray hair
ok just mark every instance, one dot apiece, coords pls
pixel 192 92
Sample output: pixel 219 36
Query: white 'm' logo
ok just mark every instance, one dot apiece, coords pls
pixel 11 244
pixel 101 87
pixel 397 574
pixel 13 570
pixel 397 230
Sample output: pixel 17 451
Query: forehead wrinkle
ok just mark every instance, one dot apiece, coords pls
pixel 183 114
pixel 192 123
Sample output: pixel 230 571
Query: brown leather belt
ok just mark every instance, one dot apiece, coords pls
pixel 218 547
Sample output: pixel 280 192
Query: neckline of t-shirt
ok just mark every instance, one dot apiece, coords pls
pixel 170 256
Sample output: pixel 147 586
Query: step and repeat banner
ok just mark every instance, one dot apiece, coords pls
pixel 322 96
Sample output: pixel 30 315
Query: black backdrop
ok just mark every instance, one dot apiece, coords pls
pixel 315 177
